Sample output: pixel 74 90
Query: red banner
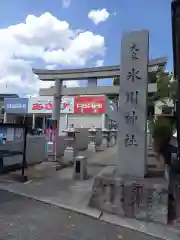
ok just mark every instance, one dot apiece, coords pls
pixel 90 104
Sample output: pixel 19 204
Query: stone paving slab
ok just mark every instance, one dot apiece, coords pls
pixel 108 158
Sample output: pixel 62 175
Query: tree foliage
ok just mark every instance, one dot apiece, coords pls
pixel 166 87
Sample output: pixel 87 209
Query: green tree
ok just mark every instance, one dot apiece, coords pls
pixel 166 87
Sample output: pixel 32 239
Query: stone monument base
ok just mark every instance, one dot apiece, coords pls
pixel 104 143
pixel 69 154
pixel 92 147
pixel 140 198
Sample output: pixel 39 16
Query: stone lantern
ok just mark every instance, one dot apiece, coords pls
pixel 92 143
pixel 70 138
pixel 113 137
pixel 105 138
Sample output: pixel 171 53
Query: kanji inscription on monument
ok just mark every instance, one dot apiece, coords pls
pixel 132 119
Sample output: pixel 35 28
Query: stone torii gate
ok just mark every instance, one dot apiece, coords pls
pixel 92 74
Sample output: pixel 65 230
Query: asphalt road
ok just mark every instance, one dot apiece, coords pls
pixel 26 219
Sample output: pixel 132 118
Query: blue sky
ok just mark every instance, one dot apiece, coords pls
pixel 125 15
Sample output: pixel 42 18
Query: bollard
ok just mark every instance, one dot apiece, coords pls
pixel 80 168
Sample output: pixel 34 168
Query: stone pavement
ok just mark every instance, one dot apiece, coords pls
pixel 103 158
pixel 22 218
pixel 109 158
pixel 60 190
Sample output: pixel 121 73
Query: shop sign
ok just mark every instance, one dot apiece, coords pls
pixel 43 105
pixel 16 105
pixel 90 104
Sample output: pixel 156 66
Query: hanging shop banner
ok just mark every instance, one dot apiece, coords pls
pixel 89 104
pixel 43 105
pixel 16 105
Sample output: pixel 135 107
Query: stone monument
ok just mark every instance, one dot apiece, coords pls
pixel 126 190
pixel 132 120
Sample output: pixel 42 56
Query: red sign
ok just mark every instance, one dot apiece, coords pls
pixel 90 104
pixel 47 106
pixel 39 106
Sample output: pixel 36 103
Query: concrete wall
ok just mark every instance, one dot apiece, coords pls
pixel 82 140
pixel 87 121
pixel 35 151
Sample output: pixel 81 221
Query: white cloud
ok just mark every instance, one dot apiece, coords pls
pixel 84 43
pixel 98 15
pixel 66 3
pixel 42 39
pixel 99 63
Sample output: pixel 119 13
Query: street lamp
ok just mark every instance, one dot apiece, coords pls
pixel 175 13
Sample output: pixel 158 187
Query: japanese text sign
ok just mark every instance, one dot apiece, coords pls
pixel 45 104
pixel 16 105
pixel 90 104
pixel 132 121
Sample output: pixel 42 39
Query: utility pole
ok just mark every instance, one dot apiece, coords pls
pixel 175 12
